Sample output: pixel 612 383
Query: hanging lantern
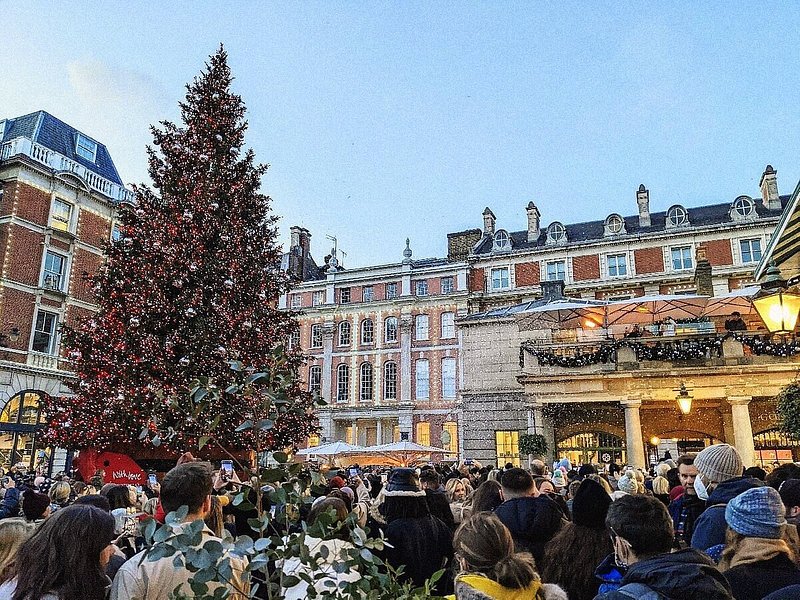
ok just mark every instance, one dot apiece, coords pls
pixel 776 307
pixel 684 400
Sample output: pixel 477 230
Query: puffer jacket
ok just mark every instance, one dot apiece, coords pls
pixel 709 529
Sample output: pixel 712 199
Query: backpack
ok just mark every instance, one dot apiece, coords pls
pixel 640 591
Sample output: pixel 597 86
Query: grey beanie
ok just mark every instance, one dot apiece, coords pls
pixel 719 463
pixel 758 512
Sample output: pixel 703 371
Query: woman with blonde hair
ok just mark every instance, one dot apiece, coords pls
pixel 491 569
pixel 13 533
pixel 59 495
pixel 456 493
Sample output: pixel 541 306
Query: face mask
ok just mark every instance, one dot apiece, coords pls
pixel 700 487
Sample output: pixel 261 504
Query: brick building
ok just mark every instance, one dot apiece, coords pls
pixel 59 188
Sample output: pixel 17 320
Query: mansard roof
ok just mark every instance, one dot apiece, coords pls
pixel 44 129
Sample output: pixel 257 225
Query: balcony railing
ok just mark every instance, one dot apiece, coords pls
pixel 43 361
pixel 60 163
pixel 52 281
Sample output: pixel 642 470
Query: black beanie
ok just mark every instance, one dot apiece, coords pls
pixel 34 505
pixel 590 506
pixel 587 469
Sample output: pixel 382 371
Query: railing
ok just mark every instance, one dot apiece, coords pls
pixel 60 163
pixel 43 361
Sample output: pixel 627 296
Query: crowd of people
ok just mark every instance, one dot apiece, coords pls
pixel 702 526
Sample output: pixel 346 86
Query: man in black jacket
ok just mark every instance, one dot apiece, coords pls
pixel 533 519
pixel 437 500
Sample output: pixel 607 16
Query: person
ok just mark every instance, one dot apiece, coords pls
pixel 435 495
pixel 781 473
pixel 188 484
pixel 533 519
pixel 757 560
pixel 735 323
pixel 790 496
pixel 456 494
pixel 719 480
pixel 641 537
pixel 686 508
pixel 538 468
pixel 420 542
pixel 626 485
pixel 584 538
pixel 490 569
pixel 65 558
pixel 9 507
pixel 755 473
pixel 35 506
pixel 59 495
pixel 13 533
pixel 486 497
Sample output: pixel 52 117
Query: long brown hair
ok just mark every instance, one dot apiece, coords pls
pixel 576 577
pixel 485 545
pixel 13 533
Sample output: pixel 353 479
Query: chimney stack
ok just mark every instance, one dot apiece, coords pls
pixel 488 222
pixel 769 189
pixel 553 290
pixel 299 251
pixel 643 200
pixel 702 273
pixel 533 222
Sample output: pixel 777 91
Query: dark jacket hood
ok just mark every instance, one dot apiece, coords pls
pixel 728 490
pixel 681 575
pixel 532 522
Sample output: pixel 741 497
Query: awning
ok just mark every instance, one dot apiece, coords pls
pixel 735 301
pixel 568 312
pixel 784 246
pixel 648 309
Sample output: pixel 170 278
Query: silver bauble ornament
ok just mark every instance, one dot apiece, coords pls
pixel 184 361
pixel 228 283
pixel 190 312
pixel 188 215
pixel 134 322
pixel 213 206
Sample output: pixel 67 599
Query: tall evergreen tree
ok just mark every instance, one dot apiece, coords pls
pixel 189 287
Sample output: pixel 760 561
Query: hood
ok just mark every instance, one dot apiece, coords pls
pixel 608 570
pixel 536 518
pixel 728 490
pixel 684 574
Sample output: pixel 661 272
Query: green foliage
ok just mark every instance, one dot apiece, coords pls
pixel 789 410
pixel 532 443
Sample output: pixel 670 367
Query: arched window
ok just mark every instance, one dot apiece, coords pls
pixel 556 233
pixel 390 329
pixel 677 216
pixel 367 332
pixel 390 381
pixel 342 383
pixel 365 382
pixel 344 333
pixel 502 241
pixel 615 225
pixel 743 208
pixel 20 421
pixel 315 379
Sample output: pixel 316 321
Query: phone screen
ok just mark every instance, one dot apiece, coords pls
pixel 353 472
pixel 227 466
pixel 152 479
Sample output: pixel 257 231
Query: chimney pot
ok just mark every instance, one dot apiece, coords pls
pixel 643 201
pixel 769 189
pixel 533 222
pixel 488 221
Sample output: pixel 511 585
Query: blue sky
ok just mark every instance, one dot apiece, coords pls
pixel 387 120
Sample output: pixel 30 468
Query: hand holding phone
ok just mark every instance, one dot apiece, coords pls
pixel 152 479
pixel 226 470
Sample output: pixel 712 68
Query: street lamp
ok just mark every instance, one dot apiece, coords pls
pixel 776 307
pixel 684 399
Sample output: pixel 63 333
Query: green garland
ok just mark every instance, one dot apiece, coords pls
pixel 532 443
pixel 789 410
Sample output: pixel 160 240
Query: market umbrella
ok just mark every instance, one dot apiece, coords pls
pixel 740 301
pixel 399 454
pixel 647 309
pixel 569 312
pixel 331 449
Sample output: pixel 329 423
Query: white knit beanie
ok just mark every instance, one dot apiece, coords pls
pixel 719 463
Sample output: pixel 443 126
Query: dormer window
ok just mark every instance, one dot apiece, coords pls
pixel 677 216
pixel 502 241
pixel 743 208
pixel 86 148
pixel 614 225
pixel 556 233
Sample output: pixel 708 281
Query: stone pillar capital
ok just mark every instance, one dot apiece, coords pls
pixel 739 400
pixel 406 323
pixel 328 330
pixel 631 403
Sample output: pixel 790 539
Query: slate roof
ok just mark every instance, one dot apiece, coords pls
pixel 701 216
pixel 44 129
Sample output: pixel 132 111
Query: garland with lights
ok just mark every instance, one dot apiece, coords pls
pixel 189 287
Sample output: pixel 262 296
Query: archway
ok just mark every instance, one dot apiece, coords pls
pixel 20 421
pixel 596 447
pixel 675 442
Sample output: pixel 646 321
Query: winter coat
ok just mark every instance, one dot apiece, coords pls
pixel 424 545
pixel 532 521
pixel 609 574
pixel 478 587
pixel 440 507
pixel 686 574
pixel 788 593
pixel 9 507
pixel 753 581
pixel 693 508
pixel 709 529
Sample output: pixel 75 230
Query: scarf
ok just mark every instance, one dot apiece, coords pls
pixel 754 550
pixel 474 586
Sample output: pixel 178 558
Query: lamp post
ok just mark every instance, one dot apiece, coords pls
pixel 777 307
pixel 684 400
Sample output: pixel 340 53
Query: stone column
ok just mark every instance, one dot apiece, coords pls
pixel 406 325
pixel 326 425
pixel 633 433
pixel 742 428
pixel 354 441
pixel 379 431
pixel 405 420
pixel 327 362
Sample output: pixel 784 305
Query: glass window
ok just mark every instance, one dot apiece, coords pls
pixel 448 325
pixel 390 334
pixel 422 373
pixel 116 232
pixel 423 433
pixel 390 381
pixel 500 278
pixel 451 427
pixel 344 295
pixel 86 148
pixel 447 285
pixel 617 265
pixel 614 224
pixel 421 287
pixel 744 206
pixel 421 327
pixel 751 250
pixel 368 293
pixel 297 301
pixel 391 291
pixel 556 233
pixel 448 378
pixel 682 258
pixel 367 332
pixel 317 298
pixel 44 334
pixel 61 217
pixel 365 383
pixel 315 379
pixel 316 336
pixel 294 339
pixel 342 383
pixel 344 334
pixel 507 444
pixel 555 270
pixel 677 216
pixel 53 276
pixel 502 241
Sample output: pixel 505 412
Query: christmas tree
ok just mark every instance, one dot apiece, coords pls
pixel 188 289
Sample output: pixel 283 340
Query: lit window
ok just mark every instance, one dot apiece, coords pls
pixel 421 327
pixel 365 383
pixel 344 334
pixel 556 270
pixel 423 434
pixel 390 329
pixel 507 445
pixel 86 148
pixel 744 207
pixel 313 441
pixel 422 287
pixel 315 379
pixel 316 336
pixel 297 301
pixel 53 275
pixel 617 265
pixel 451 427
pixel 390 381
pixel 448 325
pixel 294 339
pixel 447 285
pixel 556 233
pixel 61 216
pixel 448 378
pixel 677 216
pixel 422 374
pixel 751 250
pixel 614 225
pixel 500 278
pixel 391 291
pixel 368 293
pixel 682 258
pixel 502 241
pixel 367 332
pixel 317 298
pixel 44 334
pixel 344 295
pixel 342 383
